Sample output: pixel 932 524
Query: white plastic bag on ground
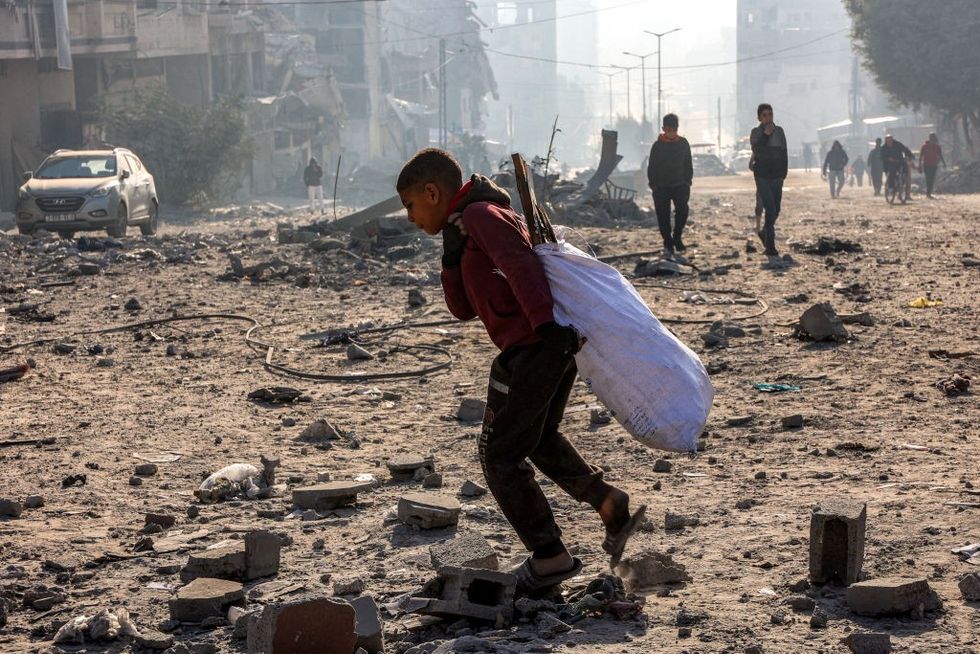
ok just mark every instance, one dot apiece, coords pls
pixel 653 384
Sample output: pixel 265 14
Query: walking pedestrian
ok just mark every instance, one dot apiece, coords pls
pixel 807 157
pixel 876 166
pixel 670 174
pixel 930 156
pixel 768 142
pixel 833 168
pixel 313 178
pixel 859 168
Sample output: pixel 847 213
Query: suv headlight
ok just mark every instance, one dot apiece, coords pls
pixel 23 194
pixel 101 192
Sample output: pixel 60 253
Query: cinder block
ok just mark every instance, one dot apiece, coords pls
pixel 892 596
pixel 868 643
pixel 204 598
pixel 370 632
pixel 311 625
pixel 471 593
pixel 225 562
pixel 261 554
pixel 323 497
pixel 407 467
pixel 837 529
pixel 466 550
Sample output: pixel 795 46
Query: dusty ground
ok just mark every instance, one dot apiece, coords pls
pixel 877 390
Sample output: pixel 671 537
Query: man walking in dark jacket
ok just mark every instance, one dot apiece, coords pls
pixel 771 165
pixel 670 173
pixel 835 163
pixel 875 166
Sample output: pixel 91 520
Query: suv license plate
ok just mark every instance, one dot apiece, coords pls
pixel 61 218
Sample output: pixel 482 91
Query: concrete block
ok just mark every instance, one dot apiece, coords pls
pixel 466 550
pixel 163 519
pixel 323 497
pixel 970 587
pixel 837 529
pixel 10 508
pixel 368 626
pixel 821 323
pixel 223 562
pixel 428 510
pixel 261 554
pixel 408 467
pixel 892 596
pixel 869 643
pixel 311 625
pixel 204 598
pixel 471 593
pixel 471 410
pixel 650 568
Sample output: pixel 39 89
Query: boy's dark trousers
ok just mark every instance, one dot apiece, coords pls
pixel 930 172
pixel 771 192
pixel 662 198
pixel 529 387
pixel 876 176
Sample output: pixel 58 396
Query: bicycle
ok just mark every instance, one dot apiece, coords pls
pixel 896 185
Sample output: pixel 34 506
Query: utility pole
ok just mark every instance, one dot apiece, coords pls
pixel 643 82
pixel 659 36
pixel 629 106
pixel 610 76
pixel 855 97
pixel 719 125
pixel 443 118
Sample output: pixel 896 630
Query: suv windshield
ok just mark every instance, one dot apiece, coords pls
pixel 78 167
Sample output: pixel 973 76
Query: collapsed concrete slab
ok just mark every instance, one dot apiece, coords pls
pixel 472 593
pixel 467 550
pixel 323 497
pixel 837 531
pixel 311 625
pixel 428 510
pixel 892 596
pixel 407 467
pixel 204 598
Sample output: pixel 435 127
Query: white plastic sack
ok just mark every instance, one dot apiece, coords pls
pixel 653 384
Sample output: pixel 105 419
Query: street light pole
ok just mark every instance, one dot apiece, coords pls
pixel 610 76
pixel 659 36
pixel 643 81
pixel 629 105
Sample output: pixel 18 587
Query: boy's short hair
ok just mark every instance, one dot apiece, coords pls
pixel 763 107
pixel 431 165
pixel 671 121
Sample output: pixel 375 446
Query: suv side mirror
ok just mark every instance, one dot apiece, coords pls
pixel 124 174
pixel 28 175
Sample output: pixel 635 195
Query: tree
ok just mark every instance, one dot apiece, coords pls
pixel 193 153
pixel 923 52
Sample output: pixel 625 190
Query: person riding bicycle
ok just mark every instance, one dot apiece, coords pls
pixel 894 155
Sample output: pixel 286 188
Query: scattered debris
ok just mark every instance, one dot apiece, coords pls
pixel 821 323
pixel 650 568
pixel 471 410
pixel 204 598
pixel 954 385
pixel 106 625
pixel 923 303
pixel 969 586
pixel 276 394
pixel 428 510
pixel 472 593
pixel 824 245
pixel 321 624
pixel 329 495
pixel 466 550
pixel 892 596
pixel 239 479
pixel 837 529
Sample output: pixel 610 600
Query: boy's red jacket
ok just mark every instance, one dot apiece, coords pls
pixel 499 278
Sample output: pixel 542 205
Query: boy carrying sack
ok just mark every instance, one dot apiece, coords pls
pixel 490 271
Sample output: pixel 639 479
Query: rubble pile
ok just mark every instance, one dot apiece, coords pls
pixel 963 178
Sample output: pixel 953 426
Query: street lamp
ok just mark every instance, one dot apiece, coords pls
pixel 629 107
pixel 659 36
pixel 610 76
pixel 643 82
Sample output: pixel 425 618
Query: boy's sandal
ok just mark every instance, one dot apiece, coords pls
pixel 530 582
pixel 615 543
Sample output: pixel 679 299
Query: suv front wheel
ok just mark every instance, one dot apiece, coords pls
pixel 149 228
pixel 118 229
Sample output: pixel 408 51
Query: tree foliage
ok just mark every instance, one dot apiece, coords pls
pixel 194 154
pixel 923 52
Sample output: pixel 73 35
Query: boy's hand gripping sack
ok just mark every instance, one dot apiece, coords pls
pixel 653 384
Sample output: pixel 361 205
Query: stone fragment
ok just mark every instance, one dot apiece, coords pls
pixel 821 323
pixel 357 353
pixel 472 489
pixel 892 596
pixel 368 625
pixel 204 597
pixel 349 586
pixel 662 465
pixel 676 521
pixel 415 297
pixel 549 626
pixel 818 619
pixel 650 568
pixel 408 466
pixel 262 554
pixel 471 593
pixel 64 348
pixel 135 481
pixel 33 502
pixel 10 508
pixel 467 550
pixel 432 480
pixel 153 639
pixel 837 528
pixel 970 587
pixel 313 625
pixel 330 495
pixel 132 304
pixel 223 562
pixel 428 510
pixel 800 602
pixel 471 410
pixel 867 643
pixel 794 421
pixel 164 520
pixel 319 432
pixel 146 469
